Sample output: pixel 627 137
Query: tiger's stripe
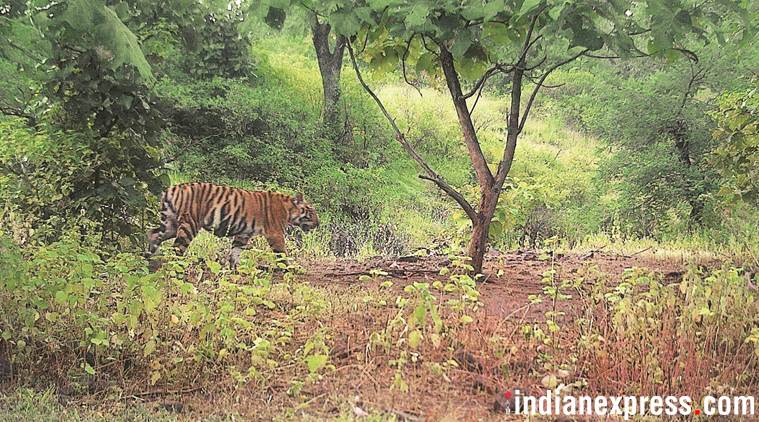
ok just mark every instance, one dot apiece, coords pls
pixel 228 212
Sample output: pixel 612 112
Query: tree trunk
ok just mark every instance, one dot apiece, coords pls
pixel 679 131
pixel 330 62
pixel 478 243
pixel 488 195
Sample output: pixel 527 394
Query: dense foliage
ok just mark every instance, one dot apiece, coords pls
pixel 637 137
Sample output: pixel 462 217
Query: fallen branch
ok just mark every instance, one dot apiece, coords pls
pixel 638 253
pixel 166 392
pixel 394 272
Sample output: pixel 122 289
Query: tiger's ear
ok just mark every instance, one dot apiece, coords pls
pixel 298 199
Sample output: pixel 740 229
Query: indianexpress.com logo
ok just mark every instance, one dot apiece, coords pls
pixel 551 404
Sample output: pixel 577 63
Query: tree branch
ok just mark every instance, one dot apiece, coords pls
pixel 528 42
pixel 481 169
pixel 424 43
pixel 490 72
pixel 401 138
pixel 540 83
pixel 403 64
pixel 31 120
pixel 513 128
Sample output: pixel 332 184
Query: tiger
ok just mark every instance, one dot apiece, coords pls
pixel 228 212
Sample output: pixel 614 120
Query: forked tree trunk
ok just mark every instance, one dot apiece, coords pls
pixel 490 185
pixel 330 62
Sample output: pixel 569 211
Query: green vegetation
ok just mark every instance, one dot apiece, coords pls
pixel 526 136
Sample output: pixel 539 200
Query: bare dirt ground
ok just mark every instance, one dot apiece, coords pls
pixel 511 277
pixel 363 378
pixel 473 390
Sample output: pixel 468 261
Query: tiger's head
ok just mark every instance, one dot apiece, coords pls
pixel 302 214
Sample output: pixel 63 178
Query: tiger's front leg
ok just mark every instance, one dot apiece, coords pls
pixel 277 243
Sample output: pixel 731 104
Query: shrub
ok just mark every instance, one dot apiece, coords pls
pixel 656 337
pixel 72 319
pixel 51 178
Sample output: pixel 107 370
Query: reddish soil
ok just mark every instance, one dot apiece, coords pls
pixel 504 295
pixel 363 376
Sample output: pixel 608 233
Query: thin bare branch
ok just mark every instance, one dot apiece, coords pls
pixel 490 72
pixel 696 78
pixel 536 65
pixel 401 138
pixel 403 64
pixel 477 99
pixel 540 84
pixel 528 41
pixel 606 56
pixel 424 43
pixel 545 85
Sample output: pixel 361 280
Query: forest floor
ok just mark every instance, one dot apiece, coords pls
pixel 363 380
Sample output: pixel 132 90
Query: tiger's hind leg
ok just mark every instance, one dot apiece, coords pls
pixel 238 244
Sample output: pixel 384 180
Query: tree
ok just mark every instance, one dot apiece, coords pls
pixel 330 60
pixel 96 83
pixel 524 40
pixel 329 47
pixel 737 156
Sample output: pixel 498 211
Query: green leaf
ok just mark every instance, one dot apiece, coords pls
pixel 415 339
pixel 528 6
pixel 461 44
pixel 151 297
pixel 214 267
pixel 93 17
pixel 420 312
pixel 89 369
pixel 493 8
pixel 150 347
pixel 345 23
pixel 61 296
pixel 418 15
pixel 316 362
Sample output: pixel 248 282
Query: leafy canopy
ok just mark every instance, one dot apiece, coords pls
pixel 493 31
pixel 101 29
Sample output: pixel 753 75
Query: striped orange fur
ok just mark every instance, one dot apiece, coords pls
pixel 228 212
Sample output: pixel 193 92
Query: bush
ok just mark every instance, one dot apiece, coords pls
pixel 655 337
pixel 79 322
pixel 51 178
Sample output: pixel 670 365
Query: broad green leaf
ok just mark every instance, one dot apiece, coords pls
pixel 461 44
pixel 61 297
pixel 150 347
pixel 418 14
pixel 419 313
pixel 119 44
pixel 528 6
pixel 345 23
pixel 414 339
pixel 316 362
